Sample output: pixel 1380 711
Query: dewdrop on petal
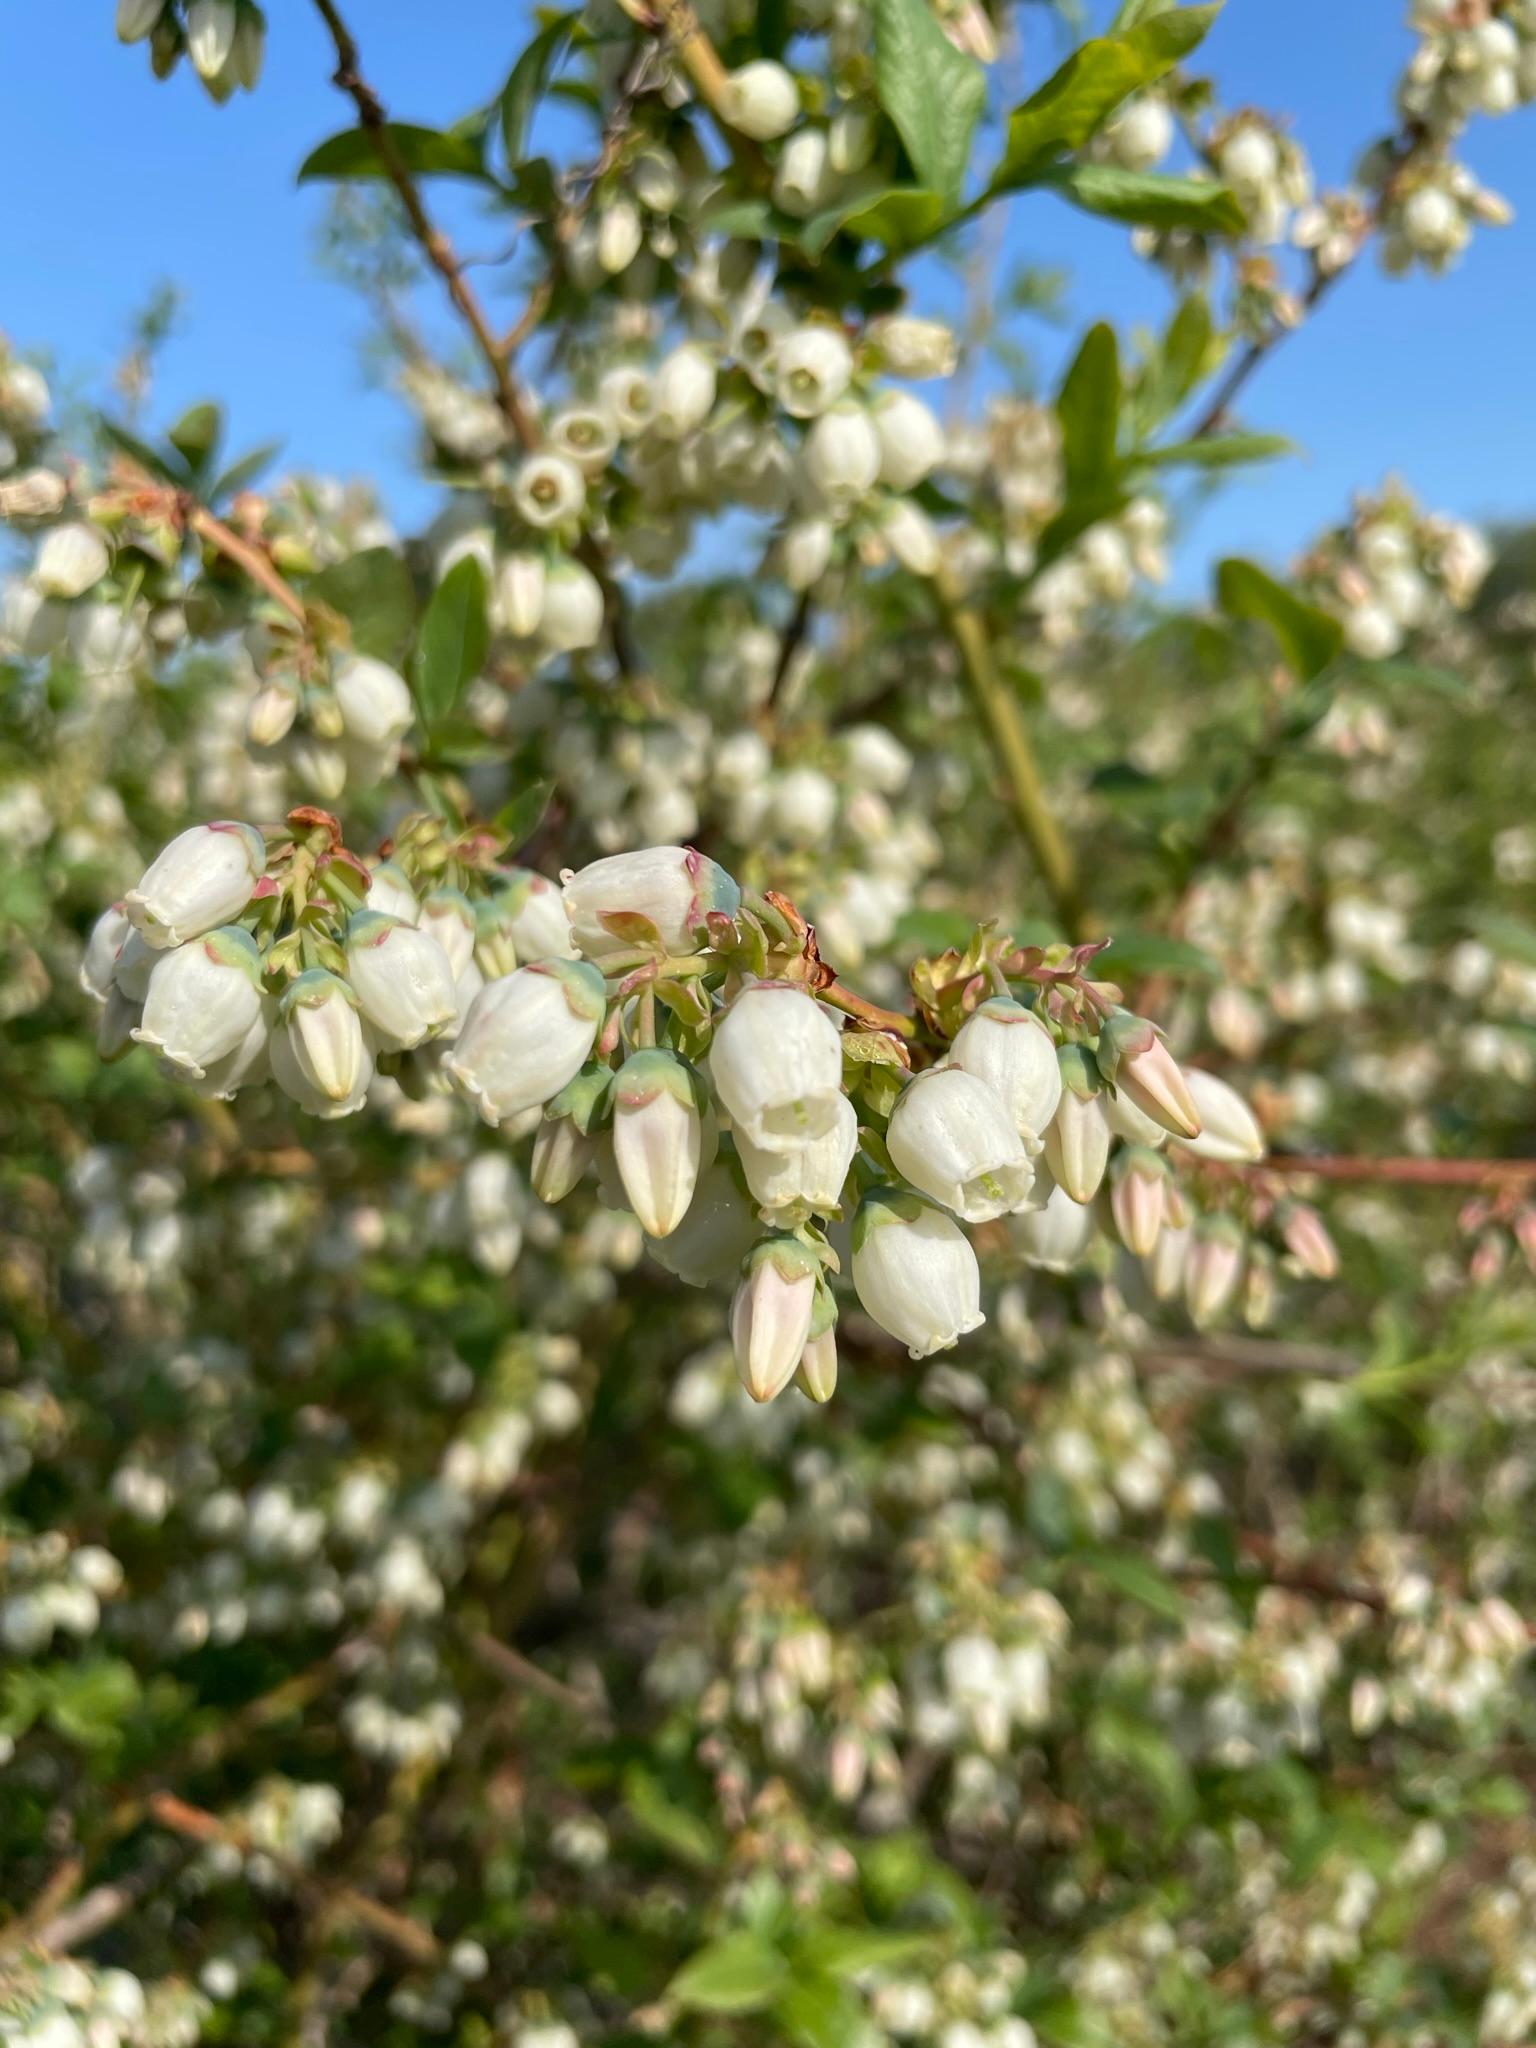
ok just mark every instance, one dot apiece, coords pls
pixel 204 878
pixel 955 1141
pixel 771 1314
pixel 915 1272
pixel 776 1063
pixel 401 978
pixel 526 1036
pixel 658 1136
pixel 1229 1130
pixel 203 1000
pixel 1077 1139
pixel 761 100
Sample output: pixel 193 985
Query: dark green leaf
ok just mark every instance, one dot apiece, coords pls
pixel 683 1833
pixel 196 435
pixel 934 931
pixel 1148 199
pixel 1308 638
pixel 529 78
pixel 518 820
pixel 933 92
pixel 1219 451
pixel 454 636
pixel 1088 408
pixel 897 217
pixel 1074 103
pixel 427 152
pixel 373 593
pixel 1186 354
pixel 244 470
pixel 748 220
pixel 1137 1577
pixel 738 1973
pixel 90 1701
pixel 165 465
pixel 1135 954
pixel 1141 1748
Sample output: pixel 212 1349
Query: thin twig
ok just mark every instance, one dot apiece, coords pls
pixel 514 1669
pixel 789 647
pixel 1258 1356
pixel 1428 1173
pixel 251 559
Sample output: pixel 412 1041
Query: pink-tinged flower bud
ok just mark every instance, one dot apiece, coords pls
pixel 204 878
pixel 1212 1268
pixel 708 1246
pixel 1309 1242
pixel 1164 1264
pixel 670 887
pixel 658 1136
pixel 203 999
pixel 549 490
pixel 572 615
pixel 211 26
pixel 1135 1062
pixel 561 1155
pixel 1077 1139
pixel 99 961
pixel 520 594
pixel 841 453
pixel 812 367
pixel 771 1314
pixel 374 702
pixel 816 1376
pixel 321 1045
pixel 808 1181
pixel 915 1272
pixel 527 1035
pixel 535 910
pixel 1229 1130
pixel 954 1140
pixel 71 559
pixel 1007 1046
pixel 909 347
pixel 448 916
pixel 911 439
pixel 776 1062
pixel 683 390
pixel 1136 1198
pixel 390 891
pixel 760 99
pixel 1056 1237
pixel 401 978
pixel 135 19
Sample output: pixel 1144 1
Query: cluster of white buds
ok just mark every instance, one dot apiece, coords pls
pixel 1266 168
pixel 225 39
pixel 1476 57
pixel 60 2002
pixel 648 1024
pixel 335 725
pixel 1394 570
pixel 1428 212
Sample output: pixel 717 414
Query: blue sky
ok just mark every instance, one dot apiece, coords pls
pixel 118 182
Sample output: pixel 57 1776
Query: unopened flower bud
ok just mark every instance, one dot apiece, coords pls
pixel 1135 1062
pixel 670 888
pixel 374 702
pixel 955 1140
pixel 71 559
pixel 1164 1264
pixel 683 390
pixel 1212 1268
pixel 807 548
pixel 911 439
pixel 571 617
pixel 1077 1138
pixel 202 879
pixel 760 100
pixel 777 1066
pixel 390 891
pixel 910 347
pixel 135 19
pixel 1056 1236
pixel 658 1136
pixel 526 1036
pixel 1141 134
pixel 1136 1198
pixel 211 26
pixel 851 140
pixel 520 594
pixel 249 54
pixel 841 454
pixel 909 534
pixel 1229 1130
pixel 203 998
pixel 272 712
pixel 319 1056
pixel 1309 1241
pixel 708 1246
pixel 99 960
pixel 1259 1288
pixel 816 1375
pixel 804 180
pixel 771 1314
pixel 619 235
pixel 915 1272
pixel 402 980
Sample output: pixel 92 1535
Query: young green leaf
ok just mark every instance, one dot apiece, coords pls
pixel 1309 638
pixel 933 92
pixel 1148 199
pixel 1088 408
pixel 454 636
pixel 372 591
pixel 1218 451
pixel 895 216
pixel 738 1973
pixel 427 152
pixel 196 435
pixel 518 820
pixel 529 79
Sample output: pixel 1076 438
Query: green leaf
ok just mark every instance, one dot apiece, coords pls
pixel 1185 354
pixel 934 931
pixel 1134 954
pixel 738 1973
pixel 373 593
pixel 427 152
pixel 1137 1578
pixel 815 2011
pixel 454 636
pixel 684 1834
pixel 1218 451
pixel 244 470
pixel 849 1951
pixel 168 467
pixel 90 1701
pixel 1088 408
pixel 518 820
pixel 195 435
pixel 1149 199
pixel 748 220
pixel 897 217
pixel 529 78
pixel 1412 675
pixel 933 92
pixel 1309 638
pixel 1144 1750
pixel 1076 101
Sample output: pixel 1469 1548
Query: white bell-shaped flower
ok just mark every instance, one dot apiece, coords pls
pixel 448 916
pixel 526 1035
pixel 520 594
pixel 319 1055
pixel 1054 1237
pixel 374 702
pixel 806 550
pixel 720 1228
pixel 402 980
pixel 99 961
pixel 390 891
pixel 672 888
pixel 915 1272
pixel 1005 1044
pixel 807 1181
pixel 619 235
pixel 683 390
pixel 535 910
pixel 841 453
pixel 658 1137
pixel 776 1063
pixel 1164 1264
pixel 71 559
pixel 908 346
pixel 549 490
pixel 812 368
pixel 911 536
pixel 804 180
pixel 771 1314
pixel 203 999
pixel 911 439
pixel 1229 1130
pixel 571 616
pixel 204 878
pixel 955 1140
pixel 760 99
pixel 1213 1267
